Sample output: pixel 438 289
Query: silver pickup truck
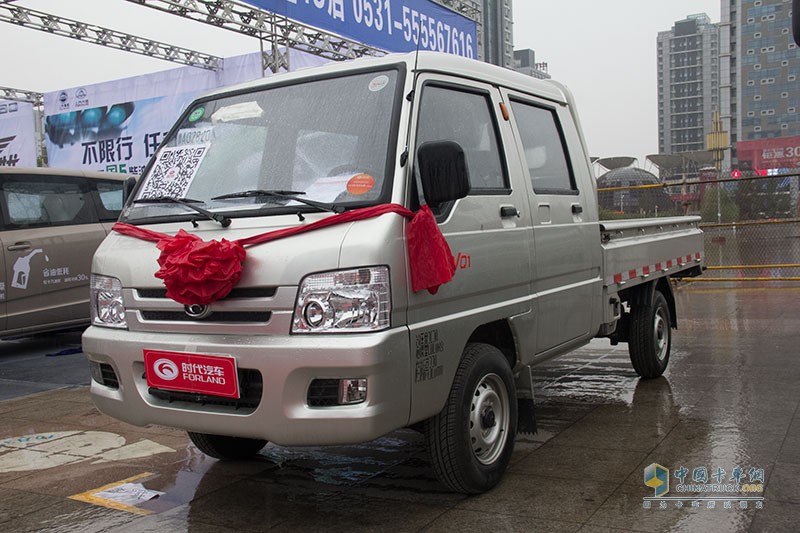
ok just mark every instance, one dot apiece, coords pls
pixel 279 273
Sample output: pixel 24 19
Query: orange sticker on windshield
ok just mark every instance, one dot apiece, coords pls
pixel 360 184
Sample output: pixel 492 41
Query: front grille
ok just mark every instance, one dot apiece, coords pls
pixel 221 316
pixel 108 376
pixel 323 393
pixel 251 386
pixel 251 292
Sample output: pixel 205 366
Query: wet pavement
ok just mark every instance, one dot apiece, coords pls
pixel 729 401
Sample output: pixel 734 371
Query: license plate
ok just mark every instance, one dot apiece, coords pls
pixel 214 375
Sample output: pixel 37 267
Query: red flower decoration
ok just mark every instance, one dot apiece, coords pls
pixel 197 271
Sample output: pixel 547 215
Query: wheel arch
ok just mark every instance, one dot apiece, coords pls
pixel 643 295
pixel 499 335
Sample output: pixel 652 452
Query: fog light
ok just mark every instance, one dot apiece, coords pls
pixel 96 372
pixel 352 391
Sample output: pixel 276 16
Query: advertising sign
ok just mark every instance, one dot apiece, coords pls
pixel 392 25
pixel 117 126
pixel 763 154
pixel 17 134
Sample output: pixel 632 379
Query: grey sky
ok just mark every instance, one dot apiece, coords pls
pixel 605 51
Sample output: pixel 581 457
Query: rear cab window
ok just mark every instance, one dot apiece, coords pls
pixel 544 149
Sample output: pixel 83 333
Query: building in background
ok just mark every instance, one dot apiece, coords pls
pixel 759 70
pixel 688 83
pixel 525 62
pixel 498 34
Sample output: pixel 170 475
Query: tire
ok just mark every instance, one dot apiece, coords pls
pixel 222 447
pixel 650 337
pixel 471 440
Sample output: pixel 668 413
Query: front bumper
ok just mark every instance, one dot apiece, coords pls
pixel 287 365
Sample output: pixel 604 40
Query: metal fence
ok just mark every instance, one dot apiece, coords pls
pixel 751 221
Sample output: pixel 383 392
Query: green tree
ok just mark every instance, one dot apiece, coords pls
pixel 729 211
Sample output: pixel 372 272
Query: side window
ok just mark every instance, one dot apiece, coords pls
pixel 466 118
pixel 46 201
pixel 543 143
pixel 110 194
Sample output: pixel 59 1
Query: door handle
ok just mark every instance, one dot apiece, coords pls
pixel 19 246
pixel 577 209
pixel 507 211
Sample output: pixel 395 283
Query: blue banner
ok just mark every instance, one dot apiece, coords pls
pixel 392 25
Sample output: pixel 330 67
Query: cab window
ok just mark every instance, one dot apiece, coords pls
pixel 454 114
pixel 45 201
pixel 544 153
pixel 111 199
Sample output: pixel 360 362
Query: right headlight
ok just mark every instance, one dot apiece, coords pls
pixel 105 302
pixel 344 301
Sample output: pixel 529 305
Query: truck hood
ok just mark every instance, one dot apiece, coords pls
pixel 283 262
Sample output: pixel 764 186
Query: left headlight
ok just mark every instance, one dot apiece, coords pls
pixel 347 301
pixel 105 302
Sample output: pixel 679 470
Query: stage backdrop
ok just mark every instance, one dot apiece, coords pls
pixel 117 126
pixel 17 134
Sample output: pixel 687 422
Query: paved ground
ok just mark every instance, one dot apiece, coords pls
pixel 729 401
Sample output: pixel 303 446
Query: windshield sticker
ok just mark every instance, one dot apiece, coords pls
pixel 239 111
pixel 194 136
pixel 360 184
pixel 173 172
pixel 327 189
pixel 197 114
pixel 378 83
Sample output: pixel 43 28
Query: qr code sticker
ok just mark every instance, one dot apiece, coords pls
pixel 173 172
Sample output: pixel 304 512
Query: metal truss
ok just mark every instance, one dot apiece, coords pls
pixel 90 33
pixel 7 93
pixel 278 31
pixel 469 8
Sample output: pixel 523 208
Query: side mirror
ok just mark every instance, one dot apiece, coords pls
pixel 127 188
pixel 443 171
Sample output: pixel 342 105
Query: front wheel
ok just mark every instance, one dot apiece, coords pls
pixel 471 440
pixel 223 447
pixel 650 336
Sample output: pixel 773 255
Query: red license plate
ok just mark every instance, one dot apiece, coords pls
pixel 214 375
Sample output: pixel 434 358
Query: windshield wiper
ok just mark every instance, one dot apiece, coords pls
pixel 286 195
pixel 187 202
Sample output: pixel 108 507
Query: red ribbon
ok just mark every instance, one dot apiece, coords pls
pixel 195 271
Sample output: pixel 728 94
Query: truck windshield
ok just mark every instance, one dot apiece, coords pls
pixel 324 141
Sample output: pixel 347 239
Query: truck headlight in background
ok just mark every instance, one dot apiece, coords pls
pixel 348 301
pixel 105 302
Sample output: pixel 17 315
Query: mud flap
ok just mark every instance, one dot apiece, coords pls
pixel 526 418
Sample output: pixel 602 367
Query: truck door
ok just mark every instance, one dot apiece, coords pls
pixel 488 231
pixel 566 251
pixel 51 233
pixel 2 288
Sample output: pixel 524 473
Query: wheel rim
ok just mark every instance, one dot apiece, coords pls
pixel 661 333
pixel 489 419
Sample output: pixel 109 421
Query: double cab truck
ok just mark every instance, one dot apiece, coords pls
pixel 331 254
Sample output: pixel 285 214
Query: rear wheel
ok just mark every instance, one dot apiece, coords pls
pixel 650 336
pixel 471 440
pixel 222 447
